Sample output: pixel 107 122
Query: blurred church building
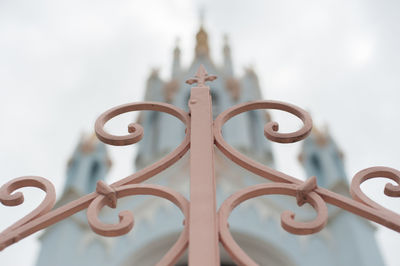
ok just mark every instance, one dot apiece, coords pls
pixel 255 225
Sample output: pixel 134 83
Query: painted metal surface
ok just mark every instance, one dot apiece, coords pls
pixel 204 226
pixel 203 229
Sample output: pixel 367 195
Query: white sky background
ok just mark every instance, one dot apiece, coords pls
pixel 63 63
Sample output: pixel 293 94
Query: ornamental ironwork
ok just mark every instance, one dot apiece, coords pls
pixel 204 225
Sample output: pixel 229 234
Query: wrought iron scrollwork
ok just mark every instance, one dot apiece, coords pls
pixel 105 194
pixel 304 191
pixel 9 198
pixel 126 220
pixel 270 131
pixel 135 130
pixel 374 172
pixel 136 134
pixel 287 217
pixel 130 185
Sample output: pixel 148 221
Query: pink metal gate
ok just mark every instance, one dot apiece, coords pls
pixel 204 225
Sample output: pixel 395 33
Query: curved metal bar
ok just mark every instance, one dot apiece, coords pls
pixel 361 204
pixel 10 237
pixel 8 198
pixel 136 135
pixel 126 218
pixel 287 217
pixel 381 216
pixel 270 131
pixel 374 172
pixel 271 128
pixel 135 130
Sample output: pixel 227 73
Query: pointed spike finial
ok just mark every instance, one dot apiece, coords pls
pixel 201 77
pixel 177 50
pixel 226 48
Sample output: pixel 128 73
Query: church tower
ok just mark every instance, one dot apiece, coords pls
pixel 255 225
pixel 353 236
pixel 321 157
pixel 64 241
pixel 88 164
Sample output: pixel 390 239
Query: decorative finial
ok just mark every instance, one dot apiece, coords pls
pixel 201 77
pixel 226 48
pixel 154 72
pixel 177 51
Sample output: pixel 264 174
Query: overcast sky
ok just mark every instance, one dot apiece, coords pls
pixel 62 63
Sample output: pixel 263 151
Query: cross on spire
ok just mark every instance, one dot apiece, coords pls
pixel 201 77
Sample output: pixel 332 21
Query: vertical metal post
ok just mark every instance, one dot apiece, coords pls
pixel 203 232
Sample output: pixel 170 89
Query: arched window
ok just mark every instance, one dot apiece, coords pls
pixel 316 164
pixel 155 131
pixel 94 173
pixel 253 127
pixel 215 104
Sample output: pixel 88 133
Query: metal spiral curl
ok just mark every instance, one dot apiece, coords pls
pixel 9 198
pixel 135 130
pixel 271 128
pixel 126 220
pixel 270 131
pixel 375 172
pixel 288 221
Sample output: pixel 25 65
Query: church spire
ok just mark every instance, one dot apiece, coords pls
pixel 228 67
pixel 176 63
pixel 202 48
